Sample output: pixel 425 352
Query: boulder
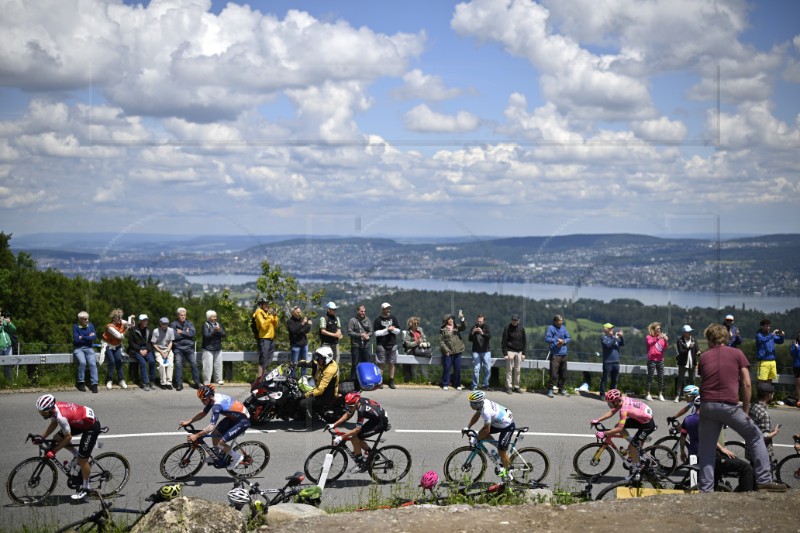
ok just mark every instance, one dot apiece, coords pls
pixel 191 515
pixel 288 512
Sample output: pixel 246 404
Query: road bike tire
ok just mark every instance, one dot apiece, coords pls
pixel 465 465
pixel 673 443
pixel 32 480
pixel 109 473
pixel 389 464
pixel 256 457
pixel 738 447
pixel 593 459
pixel 182 462
pixel 316 459
pixel 86 526
pixel 788 471
pixel 529 465
pixel 628 489
pixel 665 458
pixel 105 523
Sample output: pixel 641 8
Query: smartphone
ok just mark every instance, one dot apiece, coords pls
pixel 779 426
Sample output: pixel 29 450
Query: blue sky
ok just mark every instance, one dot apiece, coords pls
pixel 364 118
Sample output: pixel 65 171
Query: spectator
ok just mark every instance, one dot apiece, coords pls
pixel 7 329
pixel 760 416
pixel 212 347
pixel 657 342
pixel 557 339
pixel 359 329
pixel 723 371
pixel 513 344
pixel 183 349
pixel 611 342
pixel 479 335
pixel 299 327
pixel 162 340
pixel 386 328
pixel 452 347
pixel 139 350
pixel 83 339
pixel 415 343
pixel 765 351
pixel 686 360
pixel 796 366
pixel 113 335
pixel 266 320
pixel 330 330
pixel 734 338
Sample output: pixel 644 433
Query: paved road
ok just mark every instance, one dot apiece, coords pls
pixel 426 421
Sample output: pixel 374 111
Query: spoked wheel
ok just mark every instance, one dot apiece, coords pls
pixel 788 471
pixel 182 462
pixel 465 465
pixel 738 448
pixel 389 464
pixel 593 459
pixel 626 489
pixel 32 481
pixel 664 457
pixel 256 456
pixel 673 443
pixel 316 462
pixel 529 465
pixel 109 473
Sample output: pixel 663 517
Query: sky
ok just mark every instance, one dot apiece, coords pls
pixel 400 118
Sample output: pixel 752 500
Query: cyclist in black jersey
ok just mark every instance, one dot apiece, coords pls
pixel 371 420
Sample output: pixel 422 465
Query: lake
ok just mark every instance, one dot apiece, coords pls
pixel 538 291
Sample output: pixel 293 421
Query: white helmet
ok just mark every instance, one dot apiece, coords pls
pixel 46 402
pixel 238 496
pixel 325 352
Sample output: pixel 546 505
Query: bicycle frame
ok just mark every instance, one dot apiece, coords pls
pixel 373 442
pixel 609 444
pixel 481 445
pixel 201 443
pixel 48 444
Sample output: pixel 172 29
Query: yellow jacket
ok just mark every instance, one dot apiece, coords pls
pixel 266 323
pixel 326 379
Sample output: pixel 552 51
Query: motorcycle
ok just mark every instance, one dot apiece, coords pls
pixel 279 394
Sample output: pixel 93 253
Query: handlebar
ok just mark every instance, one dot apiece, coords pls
pixel 600 427
pixel 189 428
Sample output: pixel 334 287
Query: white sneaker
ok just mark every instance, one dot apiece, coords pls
pixel 677 399
pixel 648 397
pixel 220 382
pixel 123 384
pixel 661 398
pixel 80 494
pixel 445 387
pixel 459 387
pixel 108 385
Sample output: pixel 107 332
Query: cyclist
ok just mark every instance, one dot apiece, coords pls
pixel 371 420
pixel 235 421
pixel 326 378
pixel 71 419
pixel 690 394
pixel 633 414
pixel 496 419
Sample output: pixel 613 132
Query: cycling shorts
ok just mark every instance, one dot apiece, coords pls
pixel 372 427
pixel 644 430
pixel 504 435
pixel 88 439
pixel 230 429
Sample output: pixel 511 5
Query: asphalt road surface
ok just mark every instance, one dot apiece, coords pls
pixel 425 420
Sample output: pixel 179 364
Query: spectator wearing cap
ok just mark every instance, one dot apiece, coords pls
pixel 611 342
pixel 386 328
pixel 512 344
pixel 83 339
pixel 161 340
pixel 266 319
pixel 140 352
pixel 759 413
pixel 212 348
pixel 734 337
pixel 688 353
pixel 557 337
pixel 452 346
pixel 765 351
pixel 330 329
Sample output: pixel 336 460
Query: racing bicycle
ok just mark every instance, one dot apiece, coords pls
pixel 35 478
pixel 185 460
pixel 385 464
pixel 468 463
pixel 103 519
pixel 788 469
pixel 599 457
pixel 258 500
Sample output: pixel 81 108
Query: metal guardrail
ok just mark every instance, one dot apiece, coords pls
pixel 252 357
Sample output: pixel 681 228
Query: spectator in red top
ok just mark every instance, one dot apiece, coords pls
pixel 113 335
pixel 656 345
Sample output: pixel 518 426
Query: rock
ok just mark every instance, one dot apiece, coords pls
pixel 191 515
pixel 288 512
pixel 538 495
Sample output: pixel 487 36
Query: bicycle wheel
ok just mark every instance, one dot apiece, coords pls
pixel 664 457
pixel 788 471
pixel 316 460
pixel 673 443
pixel 529 465
pixel 109 473
pixel 86 525
pixel 182 462
pixel 625 489
pixel 465 465
pixel 738 448
pixel 593 459
pixel 32 480
pixel 256 456
pixel 389 464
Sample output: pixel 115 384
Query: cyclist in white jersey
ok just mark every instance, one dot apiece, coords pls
pixel 496 419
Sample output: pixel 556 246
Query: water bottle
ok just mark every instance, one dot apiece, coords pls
pixel 623 451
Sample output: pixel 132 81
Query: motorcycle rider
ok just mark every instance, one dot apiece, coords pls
pixel 371 420
pixel 326 378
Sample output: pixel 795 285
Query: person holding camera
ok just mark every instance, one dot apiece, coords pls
pixel 795 350
pixel 359 329
pixel 299 327
pixel 765 351
pixel 266 319
pixel 7 329
pixel 479 335
pixel 611 342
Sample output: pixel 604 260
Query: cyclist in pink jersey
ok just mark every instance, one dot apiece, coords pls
pixel 633 414
pixel 71 419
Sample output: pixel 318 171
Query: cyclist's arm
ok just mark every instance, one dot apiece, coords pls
pixel 475 416
pixel 682 411
pixel 605 416
pixel 485 432
pixel 205 431
pixel 345 417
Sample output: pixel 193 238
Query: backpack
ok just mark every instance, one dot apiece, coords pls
pixel 254 326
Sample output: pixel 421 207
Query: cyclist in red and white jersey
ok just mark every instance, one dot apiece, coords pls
pixel 70 419
pixel 496 419
pixel 633 414
pixel 235 421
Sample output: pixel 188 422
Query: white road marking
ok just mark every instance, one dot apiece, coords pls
pixel 528 433
pixel 173 434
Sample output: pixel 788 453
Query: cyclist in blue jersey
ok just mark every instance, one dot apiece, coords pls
pixel 234 422
pixel 496 419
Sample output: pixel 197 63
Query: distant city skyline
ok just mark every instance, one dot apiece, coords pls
pixel 473 119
